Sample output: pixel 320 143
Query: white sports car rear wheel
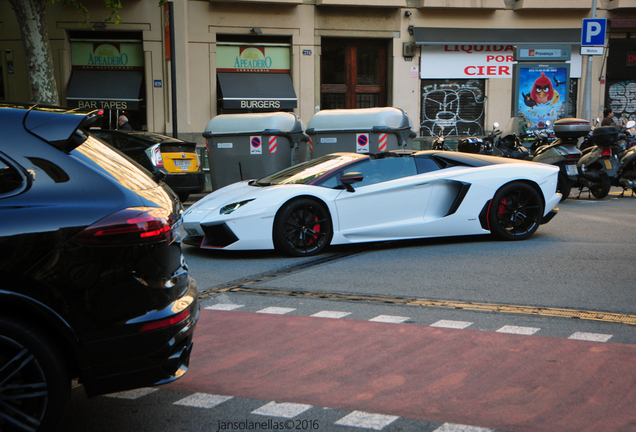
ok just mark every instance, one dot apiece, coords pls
pixel 515 212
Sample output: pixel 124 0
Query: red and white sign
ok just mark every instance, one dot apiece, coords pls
pixel 382 142
pixel 311 145
pixel 362 143
pixel 256 146
pixel 273 144
pixel 475 62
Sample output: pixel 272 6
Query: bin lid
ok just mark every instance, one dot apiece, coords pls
pixel 226 124
pixel 358 119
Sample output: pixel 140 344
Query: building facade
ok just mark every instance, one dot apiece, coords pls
pixel 444 62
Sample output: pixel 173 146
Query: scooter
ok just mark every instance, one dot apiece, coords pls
pixel 563 152
pixel 626 176
pixel 598 165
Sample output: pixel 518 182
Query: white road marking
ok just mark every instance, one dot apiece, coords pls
pixel 276 310
pixel 390 319
pixel 133 394
pixel 224 306
pixel 592 337
pixel 452 324
pixel 203 400
pixel 285 410
pixel 361 419
pixel 518 330
pixel 331 314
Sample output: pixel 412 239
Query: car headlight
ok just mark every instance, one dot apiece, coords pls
pixel 227 209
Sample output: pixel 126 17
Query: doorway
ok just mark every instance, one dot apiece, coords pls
pixel 353 73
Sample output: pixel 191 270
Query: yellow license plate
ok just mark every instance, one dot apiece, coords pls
pixel 608 164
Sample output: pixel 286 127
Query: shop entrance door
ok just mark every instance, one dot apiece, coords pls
pixel 353 73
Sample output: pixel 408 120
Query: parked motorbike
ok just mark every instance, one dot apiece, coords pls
pixel 598 165
pixel 509 144
pixel 438 142
pixel 477 145
pixel 563 152
pixel 626 155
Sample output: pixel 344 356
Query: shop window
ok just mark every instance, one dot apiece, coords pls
pixel 454 106
pixel 353 73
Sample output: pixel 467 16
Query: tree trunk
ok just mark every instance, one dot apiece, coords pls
pixel 31 15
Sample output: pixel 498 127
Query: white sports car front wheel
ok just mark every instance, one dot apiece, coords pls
pixel 302 227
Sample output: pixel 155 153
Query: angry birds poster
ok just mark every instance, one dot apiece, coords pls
pixel 543 94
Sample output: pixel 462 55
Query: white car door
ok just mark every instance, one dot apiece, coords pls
pixel 389 203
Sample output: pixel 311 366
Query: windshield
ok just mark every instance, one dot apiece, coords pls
pixel 305 172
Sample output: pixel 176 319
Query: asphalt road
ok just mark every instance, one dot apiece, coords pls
pixel 412 350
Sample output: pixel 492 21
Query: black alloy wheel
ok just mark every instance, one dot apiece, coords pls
pixel 515 212
pixel 34 383
pixel 602 188
pixel 302 228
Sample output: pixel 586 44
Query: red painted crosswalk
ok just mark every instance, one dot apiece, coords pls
pixel 501 381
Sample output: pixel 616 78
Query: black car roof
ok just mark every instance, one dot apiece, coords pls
pixel 55 125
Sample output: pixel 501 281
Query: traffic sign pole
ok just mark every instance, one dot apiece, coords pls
pixel 587 90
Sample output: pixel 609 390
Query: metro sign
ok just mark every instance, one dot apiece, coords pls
pixel 593 32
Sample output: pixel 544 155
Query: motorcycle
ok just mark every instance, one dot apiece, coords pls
pixel 626 155
pixel 598 165
pixel 477 145
pixel 509 144
pixel 438 142
pixel 563 152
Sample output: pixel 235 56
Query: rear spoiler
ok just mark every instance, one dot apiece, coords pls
pixel 61 127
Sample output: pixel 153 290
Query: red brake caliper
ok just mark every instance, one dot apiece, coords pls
pixel 502 209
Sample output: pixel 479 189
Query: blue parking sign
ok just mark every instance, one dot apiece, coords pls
pixel 593 32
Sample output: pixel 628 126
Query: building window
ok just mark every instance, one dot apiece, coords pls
pixel 353 73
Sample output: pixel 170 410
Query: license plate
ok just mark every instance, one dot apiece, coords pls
pixel 608 164
pixel 571 170
pixel 183 164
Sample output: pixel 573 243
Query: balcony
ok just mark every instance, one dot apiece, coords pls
pixel 473 4
pixel 552 4
pixel 363 3
pixel 621 4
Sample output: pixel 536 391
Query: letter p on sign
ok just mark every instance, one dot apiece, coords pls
pixel 593 32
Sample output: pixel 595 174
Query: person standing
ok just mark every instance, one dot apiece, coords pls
pixel 607 117
pixel 123 123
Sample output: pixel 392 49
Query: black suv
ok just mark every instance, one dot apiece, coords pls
pixel 94 285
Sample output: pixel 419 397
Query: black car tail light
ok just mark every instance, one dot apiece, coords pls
pixel 135 225
pixel 166 322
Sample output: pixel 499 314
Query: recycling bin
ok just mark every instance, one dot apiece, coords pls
pixel 249 146
pixel 364 130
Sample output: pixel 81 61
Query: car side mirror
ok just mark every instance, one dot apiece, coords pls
pixel 348 179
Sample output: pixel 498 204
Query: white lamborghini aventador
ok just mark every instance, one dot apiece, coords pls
pixel 350 198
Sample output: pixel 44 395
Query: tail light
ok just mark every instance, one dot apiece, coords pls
pixel 166 322
pixel 155 156
pixel 606 152
pixel 135 225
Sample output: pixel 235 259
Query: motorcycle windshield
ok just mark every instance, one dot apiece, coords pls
pixel 513 127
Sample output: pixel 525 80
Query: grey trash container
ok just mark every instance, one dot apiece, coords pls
pixel 249 146
pixel 365 130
